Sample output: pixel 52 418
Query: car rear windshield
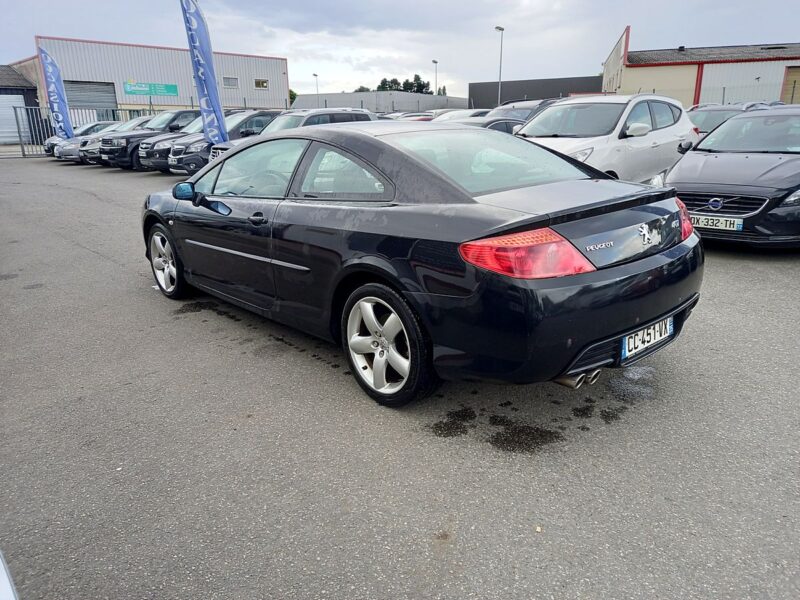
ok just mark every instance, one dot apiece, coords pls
pixel 283 122
pixel 706 120
pixel 589 119
pixel 484 161
pixel 765 133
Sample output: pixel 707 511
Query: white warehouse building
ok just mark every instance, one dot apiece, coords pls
pixel 388 101
pixel 134 76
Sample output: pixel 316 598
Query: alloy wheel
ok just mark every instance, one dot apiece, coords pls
pixel 378 345
pixel 163 261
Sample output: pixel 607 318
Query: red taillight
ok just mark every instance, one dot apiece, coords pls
pixel 696 130
pixel 686 220
pixel 535 254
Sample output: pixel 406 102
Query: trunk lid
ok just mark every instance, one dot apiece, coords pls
pixel 608 221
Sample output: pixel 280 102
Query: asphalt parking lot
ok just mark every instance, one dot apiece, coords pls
pixel 159 449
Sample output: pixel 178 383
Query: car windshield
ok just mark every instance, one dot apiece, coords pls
pixel 160 121
pixel 283 122
pixel 111 127
pixel 454 114
pixel 82 129
pixel 231 121
pixel 706 120
pixel 195 126
pixel 763 133
pixel 483 161
pixel 589 119
pixel 523 114
pixel 133 124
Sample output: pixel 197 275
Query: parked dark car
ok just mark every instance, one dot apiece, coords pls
pixel 504 124
pixel 741 182
pixel 90 148
pixel 524 110
pixel 154 151
pixel 85 129
pixel 708 117
pixel 433 251
pixel 189 154
pixel 121 149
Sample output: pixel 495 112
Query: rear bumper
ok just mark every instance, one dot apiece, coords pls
pixel 525 331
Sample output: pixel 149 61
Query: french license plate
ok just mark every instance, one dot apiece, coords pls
pixel 172 160
pixel 142 154
pixel 104 156
pixel 711 222
pixel 649 336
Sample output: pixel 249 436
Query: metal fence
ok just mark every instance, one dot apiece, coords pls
pixel 34 127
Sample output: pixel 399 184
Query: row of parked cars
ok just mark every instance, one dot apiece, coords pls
pixel 732 163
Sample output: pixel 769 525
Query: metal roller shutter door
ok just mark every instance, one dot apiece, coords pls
pixel 90 94
pixel 8 124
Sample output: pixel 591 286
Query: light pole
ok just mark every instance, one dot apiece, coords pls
pixel 500 74
pixel 435 75
pixel 316 79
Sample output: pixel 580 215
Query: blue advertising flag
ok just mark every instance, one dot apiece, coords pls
pixel 56 96
pixel 205 80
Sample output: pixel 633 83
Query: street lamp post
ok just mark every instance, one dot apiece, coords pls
pixel 316 79
pixel 500 73
pixel 435 75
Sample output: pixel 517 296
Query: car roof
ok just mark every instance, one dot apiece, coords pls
pixel 483 120
pixel 614 99
pixel 312 111
pixel 777 111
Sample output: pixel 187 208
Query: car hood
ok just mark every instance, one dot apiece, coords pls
pixel 776 171
pixel 190 139
pixel 136 133
pixel 567 145
pixel 233 143
pixel 165 137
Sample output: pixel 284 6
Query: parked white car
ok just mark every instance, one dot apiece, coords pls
pixel 634 138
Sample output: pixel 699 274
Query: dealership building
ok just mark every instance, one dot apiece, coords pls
pixel 721 74
pixel 135 76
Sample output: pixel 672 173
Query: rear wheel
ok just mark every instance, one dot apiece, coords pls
pixel 136 162
pixel 165 263
pixel 386 347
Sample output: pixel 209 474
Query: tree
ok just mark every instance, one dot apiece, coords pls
pixel 292 96
pixel 408 86
pixel 362 88
pixel 383 86
pixel 394 84
pixel 444 90
pixel 421 87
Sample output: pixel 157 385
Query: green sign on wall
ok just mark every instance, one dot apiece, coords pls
pixel 150 89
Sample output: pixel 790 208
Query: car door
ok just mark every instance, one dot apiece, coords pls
pixel 225 243
pixel 335 196
pixel 637 158
pixel 666 133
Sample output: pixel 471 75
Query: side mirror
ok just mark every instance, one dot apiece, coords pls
pixel 183 191
pixel 516 129
pixel 246 132
pixel 684 147
pixel 174 126
pixel 638 130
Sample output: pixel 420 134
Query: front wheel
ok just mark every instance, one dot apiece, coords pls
pixel 165 263
pixel 386 347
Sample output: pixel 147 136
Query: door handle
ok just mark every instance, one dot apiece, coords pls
pixel 257 218
pixel 655 145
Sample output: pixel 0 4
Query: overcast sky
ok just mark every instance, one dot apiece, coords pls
pixel 357 42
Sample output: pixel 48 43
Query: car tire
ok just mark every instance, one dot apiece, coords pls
pixel 386 346
pixel 136 163
pixel 165 263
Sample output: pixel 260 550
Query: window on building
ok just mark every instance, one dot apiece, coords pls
pixel 230 82
pixel 262 84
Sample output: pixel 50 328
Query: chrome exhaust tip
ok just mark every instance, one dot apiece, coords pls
pixel 591 378
pixel 571 381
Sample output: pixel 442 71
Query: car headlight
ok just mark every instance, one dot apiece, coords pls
pixel 92 141
pixel 120 142
pixel 792 201
pixel 658 180
pixel 582 155
pixel 162 145
pixel 197 147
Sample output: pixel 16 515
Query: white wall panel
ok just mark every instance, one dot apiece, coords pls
pixel 744 82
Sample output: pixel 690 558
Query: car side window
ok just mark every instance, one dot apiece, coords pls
pixel 184 119
pixel 342 118
pixel 504 126
pixel 317 120
pixel 639 114
pixel 361 117
pixel 676 112
pixel 261 171
pixel 333 174
pixel 257 123
pixel 205 184
pixel 662 115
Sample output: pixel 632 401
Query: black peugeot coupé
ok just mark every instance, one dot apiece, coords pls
pixel 433 251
